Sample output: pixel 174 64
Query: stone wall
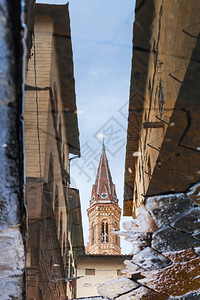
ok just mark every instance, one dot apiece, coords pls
pixel 11 153
pixel 166 262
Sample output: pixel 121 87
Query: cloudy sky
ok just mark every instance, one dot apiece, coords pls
pixel 102 52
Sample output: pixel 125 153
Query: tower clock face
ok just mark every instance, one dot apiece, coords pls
pixel 92 199
pixel 104 195
pixel 115 198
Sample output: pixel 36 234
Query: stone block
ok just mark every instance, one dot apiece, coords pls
pixel 134 236
pixel 169 239
pixel 190 222
pixel 117 287
pixel 142 293
pixel 181 256
pixel 194 295
pixel 196 236
pixel 166 209
pixel 194 193
pixel 131 268
pixel 197 250
pixel 150 259
pixel 143 222
pixel 174 280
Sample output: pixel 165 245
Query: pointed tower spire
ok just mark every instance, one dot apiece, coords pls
pixel 103 145
pixel 104 189
pixel 104 213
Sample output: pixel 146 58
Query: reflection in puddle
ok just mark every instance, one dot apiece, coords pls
pixel 161 189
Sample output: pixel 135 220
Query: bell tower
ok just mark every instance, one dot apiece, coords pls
pixel 104 213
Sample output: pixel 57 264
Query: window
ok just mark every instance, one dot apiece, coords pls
pixel 149 166
pixel 54 102
pixel 71 270
pixel 63 156
pixel 139 171
pixel 40 294
pixel 89 271
pixel 56 204
pixel 55 99
pixel 59 134
pixel 149 91
pixel 160 98
pixel 50 179
pixel 119 273
pixel 60 130
pixel 64 244
pixel 104 232
pixel 60 233
pixel 136 194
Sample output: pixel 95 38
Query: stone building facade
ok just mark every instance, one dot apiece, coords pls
pixel 51 135
pixel 104 213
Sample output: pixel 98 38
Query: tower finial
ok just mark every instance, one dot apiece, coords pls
pixel 103 145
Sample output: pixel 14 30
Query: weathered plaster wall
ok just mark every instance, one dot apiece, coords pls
pixel 11 171
pixel 107 267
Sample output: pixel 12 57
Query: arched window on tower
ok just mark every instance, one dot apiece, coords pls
pixel 93 237
pixel 104 232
